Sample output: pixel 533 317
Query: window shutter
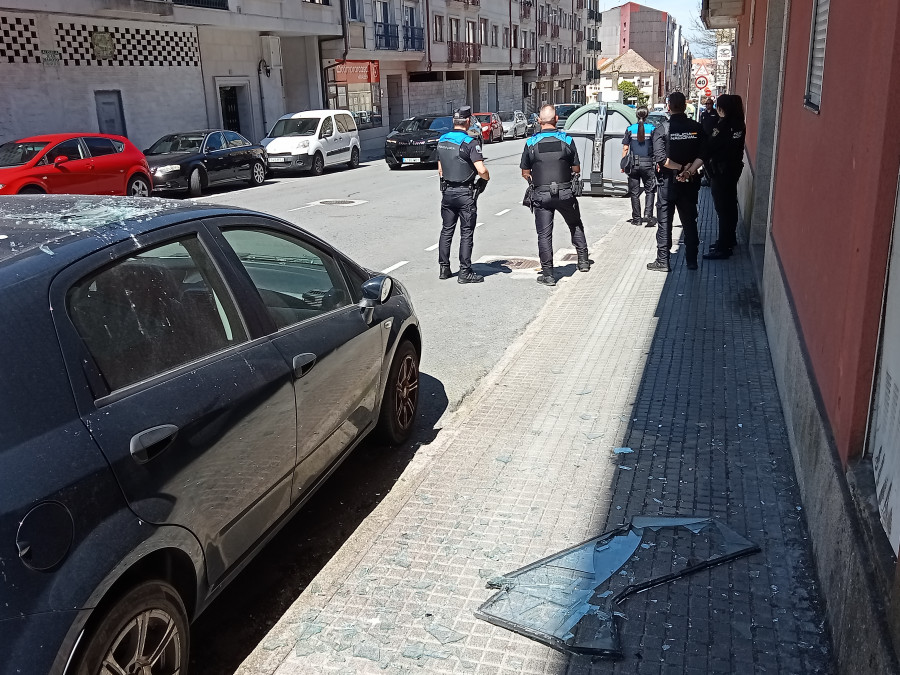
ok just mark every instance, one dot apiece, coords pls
pixel 817 54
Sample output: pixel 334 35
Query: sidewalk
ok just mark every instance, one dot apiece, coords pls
pixel 677 368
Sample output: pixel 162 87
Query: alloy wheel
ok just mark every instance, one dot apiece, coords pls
pixel 259 173
pixel 150 644
pixel 407 391
pixel 139 188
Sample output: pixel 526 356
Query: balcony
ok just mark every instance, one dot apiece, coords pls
pixel 579 4
pixel 387 36
pixel 592 75
pixel 579 35
pixel 593 15
pixel 593 45
pixel 554 31
pixel 524 11
pixel 542 28
pixel 464 52
pixel 206 4
pixel 578 68
pixel 413 39
pixel 525 56
pixel 554 69
pixel 476 3
pixel 542 69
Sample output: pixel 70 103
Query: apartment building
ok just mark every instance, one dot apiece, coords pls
pixel 142 68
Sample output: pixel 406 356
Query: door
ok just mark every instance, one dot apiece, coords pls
pixel 343 137
pixel 196 419
pixel 328 140
pixel 395 100
pixel 217 159
pixel 336 356
pixel 492 103
pixel 75 176
pixel 231 117
pixel 109 169
pixel 110 115
pixel 239 154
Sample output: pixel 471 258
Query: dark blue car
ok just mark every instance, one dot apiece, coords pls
pixel 177 381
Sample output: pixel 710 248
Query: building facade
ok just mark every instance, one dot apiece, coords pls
pixel 820 212
pixel 629 67
pixel 143 68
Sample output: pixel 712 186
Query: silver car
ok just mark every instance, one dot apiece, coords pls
pixel 514 123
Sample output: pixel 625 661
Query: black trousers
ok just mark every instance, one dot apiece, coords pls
pixel 457 203
pixel 682 197
pixel 724 193
pixel 545 205
pixel 642 179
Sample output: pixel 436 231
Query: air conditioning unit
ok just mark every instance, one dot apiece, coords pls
pixel 271 50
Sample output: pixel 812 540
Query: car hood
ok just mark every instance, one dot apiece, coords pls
pixel 171 158
pixel 410 136
pixel 285 143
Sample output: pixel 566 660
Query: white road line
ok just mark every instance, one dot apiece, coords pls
pixel 478 224
pixel 299 208
pixel 502 212
pixel 393 267
pixel 434 246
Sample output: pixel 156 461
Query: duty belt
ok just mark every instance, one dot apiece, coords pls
pixel 466 184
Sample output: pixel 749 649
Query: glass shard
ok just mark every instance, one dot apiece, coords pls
pixel 568 600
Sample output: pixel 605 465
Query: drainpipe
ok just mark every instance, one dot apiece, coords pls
pixel 262 65
pixel 428 35
pixel 510 38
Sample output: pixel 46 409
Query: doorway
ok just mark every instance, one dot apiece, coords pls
pixel 231 116
pixel 235 105
pixel 492 103
pixel 110 114
pixel 395 100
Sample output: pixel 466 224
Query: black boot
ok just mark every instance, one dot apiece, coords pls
pixel 445 272
pixel 584 265
pixel 546 277
pixel 467 276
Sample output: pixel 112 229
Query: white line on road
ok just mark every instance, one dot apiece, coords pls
pixel 434 246
pixel 303 207
pixel 393 267
pixel 502 212
pixel 478 224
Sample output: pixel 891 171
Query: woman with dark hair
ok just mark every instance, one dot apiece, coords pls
pixel 637 142
pixel 724 166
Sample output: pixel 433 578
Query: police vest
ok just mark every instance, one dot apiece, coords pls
pixel 640 149
pixel 454 167
pixel 551 157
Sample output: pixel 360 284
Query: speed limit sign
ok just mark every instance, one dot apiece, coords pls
pixel 701 82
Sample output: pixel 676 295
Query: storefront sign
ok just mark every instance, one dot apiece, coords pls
pixel 358 72
pixel 103 44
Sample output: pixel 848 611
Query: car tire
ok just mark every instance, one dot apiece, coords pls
pixel 155 610
pixel 393 167
pixel 401 395
pixel 195 183
pixel 138 186
pixel 257 173
pixel 31 190
pixel 318 165
pixel 354 159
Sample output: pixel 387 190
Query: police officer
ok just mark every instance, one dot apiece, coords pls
pixel 550 164
pixel 637 142
pixel 679 146
pixel 724 166
pixel 459 162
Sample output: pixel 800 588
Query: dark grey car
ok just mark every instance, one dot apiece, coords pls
pixel 178 380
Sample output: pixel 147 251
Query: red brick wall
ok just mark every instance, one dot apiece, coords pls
pixel 748 70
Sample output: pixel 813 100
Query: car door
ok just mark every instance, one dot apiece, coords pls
pixel 239 152
pixel 328 139
pixel 335 355
pixel 217 159
pixel 109 169
pixel 342 148
pixel 192 406
pixel 74 175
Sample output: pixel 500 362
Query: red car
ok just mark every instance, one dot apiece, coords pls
pixel 491 128
pixel 81 164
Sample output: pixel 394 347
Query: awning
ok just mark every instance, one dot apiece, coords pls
pixel 721 13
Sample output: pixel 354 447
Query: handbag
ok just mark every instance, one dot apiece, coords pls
pixel 627 163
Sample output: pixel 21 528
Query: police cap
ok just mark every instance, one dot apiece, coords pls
pixel 462 113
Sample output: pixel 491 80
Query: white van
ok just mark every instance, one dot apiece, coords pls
pixel 312 140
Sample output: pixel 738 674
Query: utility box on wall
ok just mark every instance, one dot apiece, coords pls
pixel 271 50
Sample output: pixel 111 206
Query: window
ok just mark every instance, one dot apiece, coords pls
pixel 354 10
pixel 349 124
pixel 505 37
pixel 454 30
pixel 515 36
pixel 483 31
pixel 341 125
pixel 70 149
pixel 100 146
pixel 327 127
pixel 816 69
pixel 471 34
pixel 153 312
pixel 438 28
pixel 215 142
pixel 383 12
pixel 235 140
pixel 493 36
pixel 295 280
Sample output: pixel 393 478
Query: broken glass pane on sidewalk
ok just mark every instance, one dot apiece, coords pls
pixel 569 600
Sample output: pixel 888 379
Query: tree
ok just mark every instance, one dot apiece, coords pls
pixel 630 90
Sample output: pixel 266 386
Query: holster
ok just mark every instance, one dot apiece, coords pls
pixel 443 185
pixel 554 189
pixel 577 185
pixel 528 199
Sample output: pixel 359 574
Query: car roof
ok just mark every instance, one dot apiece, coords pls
pixel 51 138
pixel 313 113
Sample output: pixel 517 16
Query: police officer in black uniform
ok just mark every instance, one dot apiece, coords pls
pixel 679 146
pixel 463 178
pixel 724 165
pixel 551 166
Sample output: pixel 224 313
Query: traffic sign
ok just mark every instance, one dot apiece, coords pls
pixel 707 91
pixel 701 82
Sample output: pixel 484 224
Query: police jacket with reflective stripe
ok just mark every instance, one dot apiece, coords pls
pixel 454 153
pixel 550 155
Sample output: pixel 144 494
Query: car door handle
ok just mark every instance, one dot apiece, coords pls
pixel 302 364
pixel 152 442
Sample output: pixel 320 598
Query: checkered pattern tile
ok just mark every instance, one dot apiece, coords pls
pixel 18 40
pixel 133 46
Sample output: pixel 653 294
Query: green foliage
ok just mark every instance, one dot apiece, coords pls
pixel 630 91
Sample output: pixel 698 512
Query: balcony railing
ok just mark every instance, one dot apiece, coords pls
pixel 593 45
pixel 542 27
pixel 413 39
pixel 387 35
pixel 554 31
pixel 469 2
pixel 579 35
pixel 579 4
pixel 525 56
pixel 554 69
pixel 592 75
pixel 464 52
pixel 524 11
pixel 593 15
pixel 207 4
pixel 578 68
pixel 542 69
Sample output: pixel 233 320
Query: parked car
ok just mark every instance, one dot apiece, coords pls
pixel 656 118
pixel 179 380
pixel 312 140
pixel 491 127
pixel 532 126
pixel 194 160
pixel 513 122
pixel 415 140
pixel 563 110
pixel 475 129
pixel 90 164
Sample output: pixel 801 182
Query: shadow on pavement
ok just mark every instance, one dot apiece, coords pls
pixel 245 612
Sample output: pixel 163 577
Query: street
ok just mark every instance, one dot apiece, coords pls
pixel 392 224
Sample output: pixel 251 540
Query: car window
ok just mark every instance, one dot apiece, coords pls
pixel 295 280
pixel 295 126
pixel 327 127
pixel 153 312
pixel 70 149
pixel 235 140
pixel 341 125
pixel 100 146
pixel 349 122
pixel 18 153
pixel 215 142
pixel 616 122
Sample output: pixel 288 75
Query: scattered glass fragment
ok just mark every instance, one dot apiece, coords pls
pixel 443 634
pixel 505 459
pixel 367 650
pixel 622 451
pixel 583 392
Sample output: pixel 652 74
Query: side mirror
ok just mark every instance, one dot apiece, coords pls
pixel 376 290
pixel 61 159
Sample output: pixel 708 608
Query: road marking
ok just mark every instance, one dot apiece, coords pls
pixel 431 248
pixel 393 267
pixel 299 208
pixel 478 224
pixel 502 212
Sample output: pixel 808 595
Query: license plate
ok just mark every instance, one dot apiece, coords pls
pixel 277 160
pixel 411 160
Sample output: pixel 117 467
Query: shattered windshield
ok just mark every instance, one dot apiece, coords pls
pixel 569 600
pixel 19 153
